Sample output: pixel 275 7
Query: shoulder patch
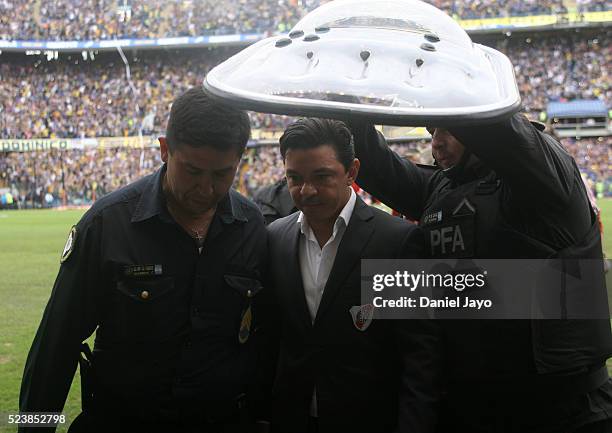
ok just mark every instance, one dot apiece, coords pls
pixel 69 244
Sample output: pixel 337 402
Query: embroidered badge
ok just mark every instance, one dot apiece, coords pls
pixel 69 244
pixel 464 208
pixel 245 326
pixel 362 316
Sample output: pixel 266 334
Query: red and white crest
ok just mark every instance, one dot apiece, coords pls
pixel 362 316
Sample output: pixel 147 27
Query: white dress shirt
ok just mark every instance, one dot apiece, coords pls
pixel 316 262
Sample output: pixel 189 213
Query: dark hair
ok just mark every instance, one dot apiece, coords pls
pixel 198 120
pixel 309 133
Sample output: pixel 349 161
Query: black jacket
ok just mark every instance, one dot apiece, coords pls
pixel 171 340
pixel 275 201
pixel 516 194
pixel 373 380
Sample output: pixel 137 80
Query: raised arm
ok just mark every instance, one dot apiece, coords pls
pixel 532 163
pixel 396 182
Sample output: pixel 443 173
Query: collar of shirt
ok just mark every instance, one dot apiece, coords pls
pixel 343 219
pixel 152 202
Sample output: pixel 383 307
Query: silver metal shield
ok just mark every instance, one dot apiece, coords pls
pixel 397 62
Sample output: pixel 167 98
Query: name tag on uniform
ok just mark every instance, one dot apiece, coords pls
pixel 432 218
pixel 142 270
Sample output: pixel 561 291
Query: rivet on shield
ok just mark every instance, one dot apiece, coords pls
pixel 283 42
pixel 311 38
pixel 144 294
pixel 428 47
pixel 296 34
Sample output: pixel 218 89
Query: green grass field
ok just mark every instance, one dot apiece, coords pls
pixel 31 244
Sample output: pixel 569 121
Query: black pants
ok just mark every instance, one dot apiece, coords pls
pixel 604 426
pixel 313 425
pixel 87 424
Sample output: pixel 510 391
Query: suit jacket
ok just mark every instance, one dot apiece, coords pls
pixel 380 379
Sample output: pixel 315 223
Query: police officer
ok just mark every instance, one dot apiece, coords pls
pixel 167 272
pixel 504 190
pixel 275 201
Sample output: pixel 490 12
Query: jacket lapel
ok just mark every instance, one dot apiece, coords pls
pixel 354 240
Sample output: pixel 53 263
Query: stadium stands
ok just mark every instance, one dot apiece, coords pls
pixel 594 157
pixel 78 177
pixel 72 97
pixel 593 5
pixel 88 19
pixel 105 19
pixel 490 9
pixel 85 95
pixel 75 177
pixel 560 68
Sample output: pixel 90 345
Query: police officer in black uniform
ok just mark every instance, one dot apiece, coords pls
pixel 274 201
pixel 167 271
pixel 504 190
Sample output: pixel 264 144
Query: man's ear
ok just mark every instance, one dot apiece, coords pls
pixel 353 171
pixel 163 147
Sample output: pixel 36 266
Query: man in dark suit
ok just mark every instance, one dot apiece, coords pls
pixel 339 370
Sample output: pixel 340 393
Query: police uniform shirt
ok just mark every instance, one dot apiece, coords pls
pixel 172 324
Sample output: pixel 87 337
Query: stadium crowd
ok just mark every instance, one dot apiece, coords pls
pixel 72 177
pixel 78 98
pixel 79 176
pixel 105 19
pixel 72 97
pixel 593 5
pixel 594 157
pixel 562 68
pixel 478 9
